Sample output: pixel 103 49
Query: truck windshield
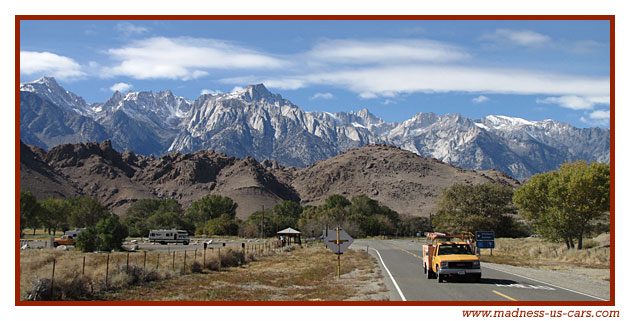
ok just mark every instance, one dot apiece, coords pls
pixel 448 249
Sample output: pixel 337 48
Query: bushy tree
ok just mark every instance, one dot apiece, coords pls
pixel 58 213
pixel 86 211
pixel 111 233
pixel 149 214
pixel 30 211
pixel 88 240
pixel 563 204
pixel 107 235
pixel 222 225
pixel 361 217
pixel 210 207
pixel 470 208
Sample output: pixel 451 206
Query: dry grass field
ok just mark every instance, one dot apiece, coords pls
pixel 536 252
pixel 297 274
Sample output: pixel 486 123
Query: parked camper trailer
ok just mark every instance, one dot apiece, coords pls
pixel 169 236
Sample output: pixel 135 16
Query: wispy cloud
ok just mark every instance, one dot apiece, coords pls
pixel 526 38
pixel 128 29
pixel 398 51
pixel 480 99
pixel 184 58
pixel 210 92
pixel 576 102
pixel 597 118
pixel 49 64
pixel 389 81
pixel 121 86
pixel 322 96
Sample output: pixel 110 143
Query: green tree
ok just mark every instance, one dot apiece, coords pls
pixel 148 214
pixel 30 211
pixel 111 233
pixel 86 211
pixel 210 207
pixel 564 204
pixel 222 225
pixel 466 208
pixel 88 240
pixel 58 213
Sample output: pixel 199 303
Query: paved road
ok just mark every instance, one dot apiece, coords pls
pixel 401 263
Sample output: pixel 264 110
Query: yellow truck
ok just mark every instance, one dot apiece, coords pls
pixel 64 240
pixel 443 258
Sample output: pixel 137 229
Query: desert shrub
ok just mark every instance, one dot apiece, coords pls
pixel 212 263
pixel 196 267
pixel 232 258
pixel 69 287
pixel 589 244
pixel 40 290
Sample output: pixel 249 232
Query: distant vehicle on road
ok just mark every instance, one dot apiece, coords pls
pixel 169 236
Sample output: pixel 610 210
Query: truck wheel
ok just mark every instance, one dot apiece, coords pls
pixel 425 268
pixel 185 243
pixel 55 244
pixel 477 278
pixel 440 277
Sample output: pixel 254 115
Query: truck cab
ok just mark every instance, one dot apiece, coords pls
pixel 444 258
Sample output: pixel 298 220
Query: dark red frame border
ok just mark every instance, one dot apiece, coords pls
pixel 610 18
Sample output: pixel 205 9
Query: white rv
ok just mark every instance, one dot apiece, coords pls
pixel 169 236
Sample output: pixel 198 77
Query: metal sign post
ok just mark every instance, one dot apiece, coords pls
pixel 338 241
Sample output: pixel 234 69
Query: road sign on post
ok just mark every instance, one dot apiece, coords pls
pixel 338 241
pixel 485 240
pixel 484 236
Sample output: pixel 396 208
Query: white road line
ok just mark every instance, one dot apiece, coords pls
pixel 390 275
pixel 524 277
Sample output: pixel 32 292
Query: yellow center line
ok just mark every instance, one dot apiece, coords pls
pixel 505 296
pixel 400 248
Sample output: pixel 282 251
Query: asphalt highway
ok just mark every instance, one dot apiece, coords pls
pixel 401 264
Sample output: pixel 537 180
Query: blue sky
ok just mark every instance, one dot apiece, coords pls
pixel 530 69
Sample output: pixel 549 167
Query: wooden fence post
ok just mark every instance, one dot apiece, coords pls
pixel 107 270
pixel 83 270
pixel 52 279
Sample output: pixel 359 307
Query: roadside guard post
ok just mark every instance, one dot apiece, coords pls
pixel 485 240
pixel 338 241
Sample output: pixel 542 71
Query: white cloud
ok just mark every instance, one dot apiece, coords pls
pixel 389 102
pixel 184 58
pixel 322 96
pixel 237 88
pixel 128 28
pixel 600 114
pixel 518 37
pixel 385 52
pixel 597 118
pixel 49 64
pixel 576 102
pixel 210 92
pixel 121 86
pixel 389 81
pixel 480 99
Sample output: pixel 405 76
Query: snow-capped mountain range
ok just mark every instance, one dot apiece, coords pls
pixel 255 122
